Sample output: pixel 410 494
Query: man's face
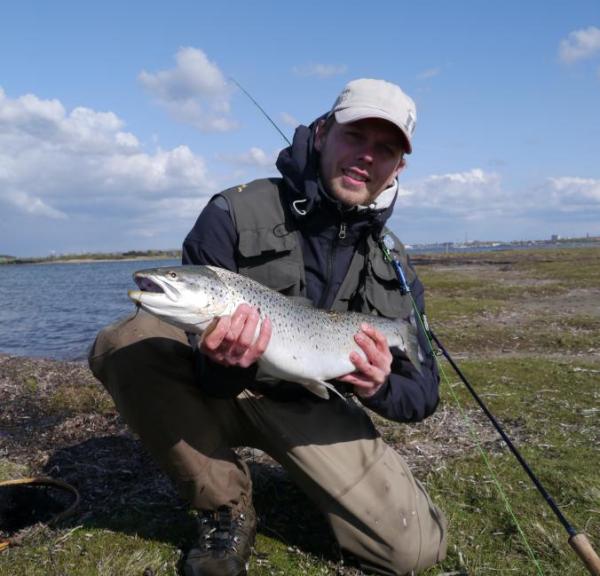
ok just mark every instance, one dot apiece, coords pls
pixel 360 159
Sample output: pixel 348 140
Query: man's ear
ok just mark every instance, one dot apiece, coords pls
pixel 320 134
pixel 400 168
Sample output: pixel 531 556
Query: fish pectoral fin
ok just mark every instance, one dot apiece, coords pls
pixel 320 388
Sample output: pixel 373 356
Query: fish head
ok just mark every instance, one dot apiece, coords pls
pixel 189 297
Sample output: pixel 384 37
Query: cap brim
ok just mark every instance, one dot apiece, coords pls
pixel 347 115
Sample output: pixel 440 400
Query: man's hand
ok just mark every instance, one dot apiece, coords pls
pixel 231 342
pixel 371 373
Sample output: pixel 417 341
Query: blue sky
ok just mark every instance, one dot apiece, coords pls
pixel 118 121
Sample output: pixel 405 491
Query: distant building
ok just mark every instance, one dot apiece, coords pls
pixel 554 238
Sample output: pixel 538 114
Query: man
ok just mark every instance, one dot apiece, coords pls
pixel 316 233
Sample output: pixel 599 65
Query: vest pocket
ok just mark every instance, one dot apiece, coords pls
pixel 269 256
pixel 253 243
pixel 282 273
pixel 387 300
pixel 382 289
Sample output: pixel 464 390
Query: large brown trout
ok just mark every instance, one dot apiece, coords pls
pixel 308 345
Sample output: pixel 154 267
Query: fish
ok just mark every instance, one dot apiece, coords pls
pixel 308 345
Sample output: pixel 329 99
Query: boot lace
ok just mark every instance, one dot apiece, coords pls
pixel 218 530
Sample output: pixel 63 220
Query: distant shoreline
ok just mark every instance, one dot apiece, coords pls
pixel 91 260
pixel 88 259
pixel 420 249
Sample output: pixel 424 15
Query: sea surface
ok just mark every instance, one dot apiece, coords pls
pixel 56 310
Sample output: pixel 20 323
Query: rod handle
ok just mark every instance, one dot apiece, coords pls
pixel 584 550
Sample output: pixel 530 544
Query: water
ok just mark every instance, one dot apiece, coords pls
pixel 56 310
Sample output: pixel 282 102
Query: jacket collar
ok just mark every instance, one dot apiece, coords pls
pixel 299 167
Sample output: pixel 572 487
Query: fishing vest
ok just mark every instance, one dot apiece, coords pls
pixel 270 252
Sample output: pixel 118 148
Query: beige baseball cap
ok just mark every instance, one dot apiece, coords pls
pixel 368 98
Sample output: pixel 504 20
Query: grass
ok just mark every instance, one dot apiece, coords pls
pixel 102 552
pixel 521 315
pixel 463 307
pixel 10 470
pixel 79 399
pixel 79 550
pixel 525 326
pixel 541 404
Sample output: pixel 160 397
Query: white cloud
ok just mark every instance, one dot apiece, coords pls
pixel 472 193
pixel 60 164
pixel 254 157
pixel 480 205
pixel 477 194
pixel 580 45
pixel 429 73
pixel 194 92
pixel 32 205
pixel 572 192
pixel 320 70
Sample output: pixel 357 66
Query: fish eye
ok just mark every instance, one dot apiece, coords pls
pixel 173 275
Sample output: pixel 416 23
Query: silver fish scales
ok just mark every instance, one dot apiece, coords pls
pixel 308 346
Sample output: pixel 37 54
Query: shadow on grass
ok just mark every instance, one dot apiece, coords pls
pixel 123 490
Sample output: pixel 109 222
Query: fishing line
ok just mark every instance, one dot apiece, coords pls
pixel 577 540
pixel 480 448
pixel 386 246
pixel 260 108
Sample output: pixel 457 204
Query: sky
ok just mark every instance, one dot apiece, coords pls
pixel 119 120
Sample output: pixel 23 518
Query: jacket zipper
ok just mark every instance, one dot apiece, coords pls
pixel 334 244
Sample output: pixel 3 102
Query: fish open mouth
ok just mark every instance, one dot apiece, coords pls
pixel 146 284
pixel 152 289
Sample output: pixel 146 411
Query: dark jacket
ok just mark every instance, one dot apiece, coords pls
pixel 330 233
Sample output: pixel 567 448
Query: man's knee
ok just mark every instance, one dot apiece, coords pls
pixel 139 335
pixel 109 339
pixel 422 538
pixel 396 528
pixel 412 546
pixel 135 358
pixel 433 531
pixel 430 542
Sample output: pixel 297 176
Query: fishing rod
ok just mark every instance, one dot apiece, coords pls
pixel 577 540
pixel 261 109
pixel 40 481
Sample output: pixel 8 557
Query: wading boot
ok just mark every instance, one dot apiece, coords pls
pixel 224 543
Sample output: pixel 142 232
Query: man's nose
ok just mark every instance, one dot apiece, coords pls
pixel 367 153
